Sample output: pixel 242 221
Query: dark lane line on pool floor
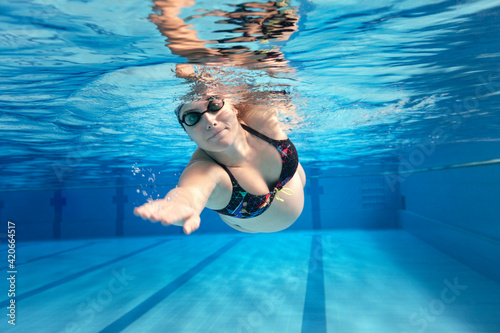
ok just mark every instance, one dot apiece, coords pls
pixel 128 318
pixel 80 274
pixel 51 255
pixel 314 314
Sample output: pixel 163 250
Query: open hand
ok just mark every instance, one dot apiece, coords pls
pixel 170 212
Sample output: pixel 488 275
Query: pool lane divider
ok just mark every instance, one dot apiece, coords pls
pixel 128 318
pixel 77 275
pixel 314 314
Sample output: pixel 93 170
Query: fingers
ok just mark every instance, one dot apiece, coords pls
pixel 168 214
pixel 149 211
pixel 191 224
pixel 140 211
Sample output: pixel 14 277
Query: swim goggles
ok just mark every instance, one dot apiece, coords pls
pixel 192 118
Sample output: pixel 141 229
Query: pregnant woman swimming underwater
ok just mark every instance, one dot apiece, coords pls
pixel 252 179
pixel 245 168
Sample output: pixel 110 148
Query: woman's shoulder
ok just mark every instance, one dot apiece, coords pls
pixel 202 165
pixel 200 157
pixel 265 121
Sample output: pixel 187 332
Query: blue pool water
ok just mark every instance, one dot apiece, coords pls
pixel 88 88
pixel 337 281
pixel 394 107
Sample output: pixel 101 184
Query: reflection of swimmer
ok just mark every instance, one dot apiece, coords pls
pixel 253 179
pixel 256 23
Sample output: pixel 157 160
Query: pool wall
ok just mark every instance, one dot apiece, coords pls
pixel 330 203
pixel 458 212
pixel 456 209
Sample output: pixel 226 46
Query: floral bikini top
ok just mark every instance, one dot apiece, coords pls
pixel 246 205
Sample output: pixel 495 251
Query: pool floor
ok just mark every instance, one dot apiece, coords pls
pixel 328 281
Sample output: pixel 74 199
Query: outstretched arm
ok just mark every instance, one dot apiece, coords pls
pixel 182 38
pixel 182 205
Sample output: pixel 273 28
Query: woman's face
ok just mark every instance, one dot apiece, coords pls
pixel 214 131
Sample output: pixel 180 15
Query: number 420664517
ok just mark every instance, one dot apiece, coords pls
pixel 12 244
